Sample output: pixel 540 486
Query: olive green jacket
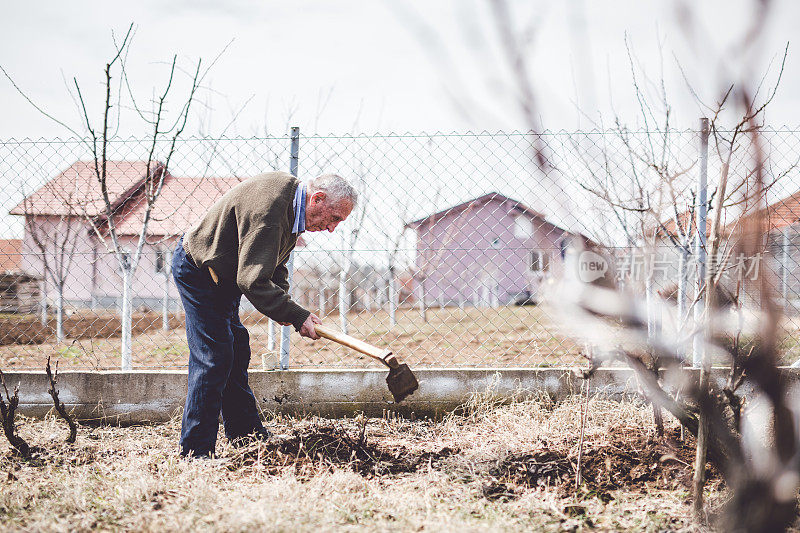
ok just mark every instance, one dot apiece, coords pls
pixel 246 237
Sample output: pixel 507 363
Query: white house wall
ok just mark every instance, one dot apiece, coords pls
pixel 93 278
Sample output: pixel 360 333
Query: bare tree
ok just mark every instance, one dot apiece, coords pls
pixel 755 470
pixel 393 238
pixel 353 226
pixel 61 409
pixel 7 418
pixel 393 242
pixel 761 473
pixel 105 226
pixel 55 237
pixel 165 130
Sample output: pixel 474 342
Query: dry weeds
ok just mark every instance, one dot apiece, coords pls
pixel 492 467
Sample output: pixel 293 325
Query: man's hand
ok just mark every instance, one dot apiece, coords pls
pixel 307 329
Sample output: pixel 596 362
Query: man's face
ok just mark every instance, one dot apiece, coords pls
pixel 323 215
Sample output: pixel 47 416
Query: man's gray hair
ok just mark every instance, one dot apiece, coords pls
pixel 335 187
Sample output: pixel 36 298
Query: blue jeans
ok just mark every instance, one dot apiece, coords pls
pixel 219 354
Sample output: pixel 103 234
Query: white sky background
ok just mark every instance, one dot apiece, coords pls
pixel 389 66
pixel 381 66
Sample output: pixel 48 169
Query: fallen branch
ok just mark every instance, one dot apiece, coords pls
pixel 60 408
pixel 7 412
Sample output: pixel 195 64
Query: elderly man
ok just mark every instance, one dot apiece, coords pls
pixel 240 247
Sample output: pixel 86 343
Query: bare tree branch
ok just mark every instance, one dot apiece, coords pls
pixel 59 405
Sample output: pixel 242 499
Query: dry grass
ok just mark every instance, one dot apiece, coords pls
pixel 403 475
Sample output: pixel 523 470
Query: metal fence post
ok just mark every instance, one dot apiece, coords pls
pixel 166 261
pixel 785 269
pixel 700 245
pixel 286 331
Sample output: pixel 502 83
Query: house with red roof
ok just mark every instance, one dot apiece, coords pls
pixel 57 228
pixel 491 250
pixel 783 219
pixel 780 255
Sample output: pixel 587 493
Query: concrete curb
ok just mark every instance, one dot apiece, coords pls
pixel 157 396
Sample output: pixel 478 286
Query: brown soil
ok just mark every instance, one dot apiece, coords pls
pixel 504 468
pixel 313 449
pixel 624 461
pixel 639 461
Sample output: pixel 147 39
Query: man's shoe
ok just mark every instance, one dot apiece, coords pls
pixel 257 435
pixel 191 455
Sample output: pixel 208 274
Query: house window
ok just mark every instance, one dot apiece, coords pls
pixel 161 261
pixel 539 261
pixel 523 227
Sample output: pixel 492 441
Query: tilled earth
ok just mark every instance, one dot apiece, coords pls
pixel 506 468
pixel 624 461
pixel 309 449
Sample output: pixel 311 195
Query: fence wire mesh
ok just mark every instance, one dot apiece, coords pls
pixel 445 259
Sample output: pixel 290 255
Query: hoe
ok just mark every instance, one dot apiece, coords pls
pixel 401 380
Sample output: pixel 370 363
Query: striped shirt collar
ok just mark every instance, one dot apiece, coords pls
pixel 299 209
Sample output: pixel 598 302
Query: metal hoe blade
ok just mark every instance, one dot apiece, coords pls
pixel 402 382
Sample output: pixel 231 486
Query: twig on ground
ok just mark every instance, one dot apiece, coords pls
pixel 361 436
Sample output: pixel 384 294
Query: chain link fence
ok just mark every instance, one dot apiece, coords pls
pixel 445 260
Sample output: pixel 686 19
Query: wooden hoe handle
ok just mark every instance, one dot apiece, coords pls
pixel 382 355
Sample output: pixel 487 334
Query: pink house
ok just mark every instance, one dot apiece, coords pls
pixel 57 231
pixel 488 251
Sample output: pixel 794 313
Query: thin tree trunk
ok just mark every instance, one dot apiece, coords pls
pixel 165 303
pixel 60 312
pixel 344 301
pixel 683 318
pixel 43 304
pixel 127 311
pixel 699 478
pixel 652 326
pixel 683 271
pixel 650 307
pixel 271 334
pixel 322 302
pixel 423 309
pixel 344 294
pixel 785 269
pixel 93 303
pixel 392 290
pixel 710 295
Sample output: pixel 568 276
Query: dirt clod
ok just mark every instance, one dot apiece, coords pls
pixel 496 491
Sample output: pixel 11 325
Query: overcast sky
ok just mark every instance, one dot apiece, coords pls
pixel 358 66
